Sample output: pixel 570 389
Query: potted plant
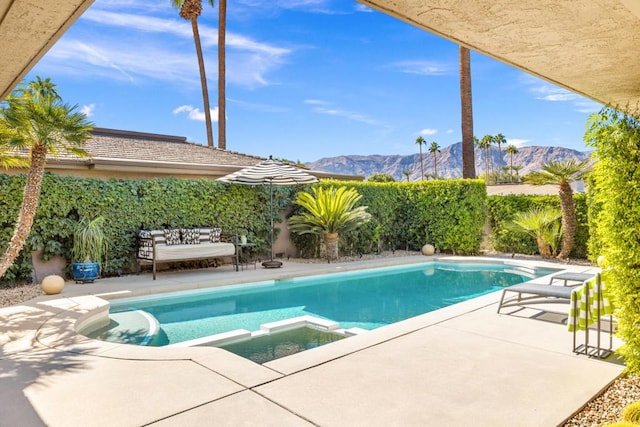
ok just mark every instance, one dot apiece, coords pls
pixel 89 249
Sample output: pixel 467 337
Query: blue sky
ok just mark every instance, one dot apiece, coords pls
pixel 306 79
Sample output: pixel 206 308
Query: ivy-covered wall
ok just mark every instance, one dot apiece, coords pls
pixel 502 209
pixel 127 204
pixel 406 215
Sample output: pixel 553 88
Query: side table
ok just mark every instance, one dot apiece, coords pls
pixel 243 258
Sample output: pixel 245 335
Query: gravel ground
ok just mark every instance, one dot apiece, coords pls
pixel 603 409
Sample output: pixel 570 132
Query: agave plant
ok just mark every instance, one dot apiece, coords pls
pixel 329 212
pixel 543 225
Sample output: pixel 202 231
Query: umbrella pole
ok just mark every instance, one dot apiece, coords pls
pixel 271 263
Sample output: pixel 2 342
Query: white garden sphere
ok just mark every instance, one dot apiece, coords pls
pixel 52 284
pixel 428 249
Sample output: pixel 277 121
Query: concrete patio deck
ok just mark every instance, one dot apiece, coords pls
pixel 458 366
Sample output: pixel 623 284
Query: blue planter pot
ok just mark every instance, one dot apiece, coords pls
pixel 85 272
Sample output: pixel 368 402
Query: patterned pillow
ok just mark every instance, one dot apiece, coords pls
pixel 144 234
pixel 145 244
pixel 214 234
pixel 190 236
pixel 172 236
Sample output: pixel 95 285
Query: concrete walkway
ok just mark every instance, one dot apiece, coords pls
pixel 459 366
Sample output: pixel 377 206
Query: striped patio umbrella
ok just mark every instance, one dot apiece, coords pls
pixel 270 172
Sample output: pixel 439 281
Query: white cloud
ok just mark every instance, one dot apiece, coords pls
pixel 517 142
pixel 87 110
pixel 363 8
pixel 428 132
pixel 324 107
pixel 548 92
pixel 315 102
pixel 449 131
pixel 194 113
pixel 424 68
pixel 102 48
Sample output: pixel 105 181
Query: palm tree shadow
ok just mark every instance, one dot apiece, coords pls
pixel 27 365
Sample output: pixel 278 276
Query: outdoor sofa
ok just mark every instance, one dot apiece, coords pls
pixel 184 244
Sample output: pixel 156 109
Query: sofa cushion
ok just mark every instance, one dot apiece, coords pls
pixel 190 236
pixel 172 236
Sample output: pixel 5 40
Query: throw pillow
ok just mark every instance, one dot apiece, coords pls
pixel 214 234
pixel 190 236
pixel 172 236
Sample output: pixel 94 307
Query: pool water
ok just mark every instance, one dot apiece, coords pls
pixel 266 348
pixel 365 299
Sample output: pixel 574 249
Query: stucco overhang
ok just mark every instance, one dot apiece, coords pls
pixel 28 29
pixel 590 47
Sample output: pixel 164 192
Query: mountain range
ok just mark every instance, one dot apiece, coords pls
pixel 448 162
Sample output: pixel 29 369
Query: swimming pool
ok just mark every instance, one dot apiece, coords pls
pixel 364 299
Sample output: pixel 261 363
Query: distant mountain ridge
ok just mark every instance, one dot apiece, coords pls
pixel 449 162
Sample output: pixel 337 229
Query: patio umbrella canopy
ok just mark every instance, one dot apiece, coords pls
pixel 270 172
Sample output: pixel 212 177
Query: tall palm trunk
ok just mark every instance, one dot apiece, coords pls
pixel 222 75
pixel 511 167
pixel 421 165
pixel 568 220
pixel 190 10
pixel 435 166
pixel 468 158
pixel 30 197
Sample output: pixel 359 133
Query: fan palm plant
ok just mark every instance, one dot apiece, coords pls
pixel 562 174
pixel 329 212
pixel 34 118
pixel 542 224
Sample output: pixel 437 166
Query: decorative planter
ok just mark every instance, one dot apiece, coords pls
pixel 85 272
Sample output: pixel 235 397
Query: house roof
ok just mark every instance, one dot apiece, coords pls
pixel 159 155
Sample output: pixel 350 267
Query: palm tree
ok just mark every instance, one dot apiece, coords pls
pixel 511 150
pixel 562 174
pixel 434 149
pixel 35 119
pixel 485 144
pixel 329 212
pixel 407 174
pixel 222 74
pixel 420 141
pixel 191 10
pixel 542 225
pixel 499 139
pixel 468 157
pixel 517 168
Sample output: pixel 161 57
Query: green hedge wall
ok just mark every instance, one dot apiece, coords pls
pixel 405 215
pixel 448 214
pixel 502 209
pixel 615 218
pixel 126 204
